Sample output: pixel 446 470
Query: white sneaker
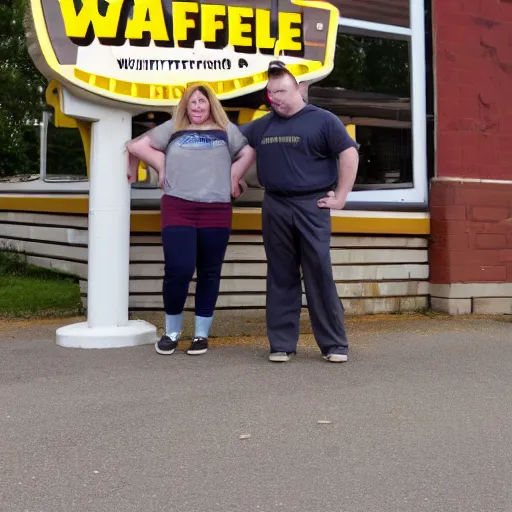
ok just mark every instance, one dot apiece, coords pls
pixel 336 358
pixel 280 357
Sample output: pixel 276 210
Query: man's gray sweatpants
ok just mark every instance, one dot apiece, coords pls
pixel 297 233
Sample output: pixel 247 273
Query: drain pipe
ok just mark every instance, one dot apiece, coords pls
pixel 43 144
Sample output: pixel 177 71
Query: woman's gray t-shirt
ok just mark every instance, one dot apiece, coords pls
pixel 198 162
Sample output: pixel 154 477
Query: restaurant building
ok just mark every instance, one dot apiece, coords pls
pixel 423 86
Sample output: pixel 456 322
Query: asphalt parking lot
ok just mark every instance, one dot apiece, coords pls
pixel 419 419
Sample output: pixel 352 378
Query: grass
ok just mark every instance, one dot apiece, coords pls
pixel 27 291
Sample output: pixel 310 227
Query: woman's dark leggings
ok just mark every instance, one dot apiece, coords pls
pixel 185 249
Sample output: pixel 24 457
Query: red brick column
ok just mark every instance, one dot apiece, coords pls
pixel 471 196
pixel 471 226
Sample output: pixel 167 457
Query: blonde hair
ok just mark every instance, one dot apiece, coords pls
pixel 217 114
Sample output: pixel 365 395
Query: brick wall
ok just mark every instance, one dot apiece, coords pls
pixel 471 232
pixel 473 70
pixel 471 221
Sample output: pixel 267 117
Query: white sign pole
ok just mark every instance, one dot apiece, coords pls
pixel 107 323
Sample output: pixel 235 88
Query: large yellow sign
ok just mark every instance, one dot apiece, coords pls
pixel 146 51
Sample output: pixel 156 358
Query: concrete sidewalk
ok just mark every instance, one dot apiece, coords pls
pixel 420 420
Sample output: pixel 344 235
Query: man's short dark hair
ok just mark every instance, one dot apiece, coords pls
pixel 277 69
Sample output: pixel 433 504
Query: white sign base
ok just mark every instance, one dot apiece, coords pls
pixel 108 276
pixel 136 332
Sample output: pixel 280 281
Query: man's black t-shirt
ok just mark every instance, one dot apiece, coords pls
pixel 298 154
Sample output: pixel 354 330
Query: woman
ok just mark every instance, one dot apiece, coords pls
pixel 200 158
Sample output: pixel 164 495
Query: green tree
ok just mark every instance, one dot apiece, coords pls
pixel 370 64
pixel 22 103
pixel 65 155
pixel 21 95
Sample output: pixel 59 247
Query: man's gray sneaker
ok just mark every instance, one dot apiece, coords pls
pixel 280 357
pixel 336 358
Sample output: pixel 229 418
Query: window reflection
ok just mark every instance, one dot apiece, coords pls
pixel 65 156
pixel 369 87
pixel 385 156
pixel 370 64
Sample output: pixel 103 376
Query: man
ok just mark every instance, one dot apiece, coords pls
pixel 307 164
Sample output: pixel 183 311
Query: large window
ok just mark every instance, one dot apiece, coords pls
pixel 378 87
pixel 369 89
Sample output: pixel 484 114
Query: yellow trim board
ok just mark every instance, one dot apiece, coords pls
pixel 145 222
pixel 382 226
pixel 45 204
pixel 244 219
pixel 377 223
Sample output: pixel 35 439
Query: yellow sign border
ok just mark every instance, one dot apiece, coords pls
pixel 169 95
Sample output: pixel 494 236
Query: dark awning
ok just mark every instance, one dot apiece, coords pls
pixel 344 102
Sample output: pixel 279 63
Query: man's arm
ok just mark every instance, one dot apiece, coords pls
pixel 348 163
pixel 340 143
